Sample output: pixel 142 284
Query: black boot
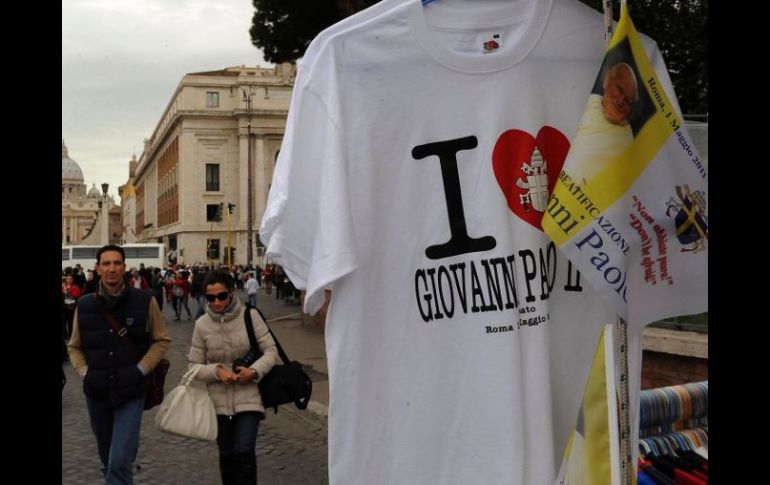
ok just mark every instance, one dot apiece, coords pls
pixel 227 469
pixel 246 468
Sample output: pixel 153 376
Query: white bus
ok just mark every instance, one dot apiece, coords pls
pixel 151 254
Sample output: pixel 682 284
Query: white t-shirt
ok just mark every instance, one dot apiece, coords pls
pixel 458 338
pixel 279 190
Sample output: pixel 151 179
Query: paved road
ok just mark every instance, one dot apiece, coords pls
pixel 291 445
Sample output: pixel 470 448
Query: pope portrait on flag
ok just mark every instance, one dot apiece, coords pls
pixel 616 110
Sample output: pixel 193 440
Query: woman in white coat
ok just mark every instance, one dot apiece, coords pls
pixel 218 340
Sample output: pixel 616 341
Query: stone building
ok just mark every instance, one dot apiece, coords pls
pixel 198 158
pixel 81 208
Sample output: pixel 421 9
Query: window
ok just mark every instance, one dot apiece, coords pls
pixel 211 212
pixel 213 249
pixel 84 253
pixel 142 252
pixel 212 99
pixel 212 177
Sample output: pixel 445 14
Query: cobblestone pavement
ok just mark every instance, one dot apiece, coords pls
pixel 291 445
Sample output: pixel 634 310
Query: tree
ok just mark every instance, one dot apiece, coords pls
pixel 284 28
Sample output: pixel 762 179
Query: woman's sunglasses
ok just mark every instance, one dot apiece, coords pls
pixel 219 296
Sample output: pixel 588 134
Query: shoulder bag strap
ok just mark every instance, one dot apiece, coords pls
pixel 250 327
pixel 252 337
pixel 119 329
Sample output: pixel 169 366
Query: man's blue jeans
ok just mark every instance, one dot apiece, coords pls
pixel 253 299
pixel 117 437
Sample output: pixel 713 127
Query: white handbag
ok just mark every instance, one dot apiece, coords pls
pixel 188 410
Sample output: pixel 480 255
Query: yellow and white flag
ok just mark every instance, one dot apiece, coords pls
pixel 630 207
pixel 592 453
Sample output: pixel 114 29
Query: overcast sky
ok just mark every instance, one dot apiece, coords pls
pixel 122 60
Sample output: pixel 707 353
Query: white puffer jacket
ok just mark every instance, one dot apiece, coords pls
pixel 219 339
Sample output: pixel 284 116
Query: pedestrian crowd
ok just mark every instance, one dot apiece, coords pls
pixel 114 335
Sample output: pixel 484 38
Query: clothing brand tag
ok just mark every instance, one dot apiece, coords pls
pixel 129 321
pixel 493 43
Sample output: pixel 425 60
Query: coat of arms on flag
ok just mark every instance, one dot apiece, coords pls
pixel 690 217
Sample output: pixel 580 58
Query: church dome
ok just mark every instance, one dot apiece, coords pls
pixel 70 170
pixel 94 192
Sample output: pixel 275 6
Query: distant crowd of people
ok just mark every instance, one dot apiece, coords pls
pixel 114 362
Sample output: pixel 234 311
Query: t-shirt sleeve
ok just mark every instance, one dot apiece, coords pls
pixel 312 228
pixel 276 199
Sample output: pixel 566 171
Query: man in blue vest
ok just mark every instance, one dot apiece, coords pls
pixel 114 363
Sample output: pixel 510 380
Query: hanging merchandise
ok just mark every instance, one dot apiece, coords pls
pixel 673 408
pixel 629 151
pixel 421 145
pixel 674 430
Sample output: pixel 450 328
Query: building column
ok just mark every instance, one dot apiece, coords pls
pixel 243 181
pixel 260 184
pixel 238 220
pixel 74 226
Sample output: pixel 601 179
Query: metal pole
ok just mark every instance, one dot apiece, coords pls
pixel 229 252
pixel 104 230
pixel 624 415
pixel 621 334
pixel 208 244
pixel 607 4
pixel 249 188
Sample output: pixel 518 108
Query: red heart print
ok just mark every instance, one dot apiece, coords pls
pixel 527 181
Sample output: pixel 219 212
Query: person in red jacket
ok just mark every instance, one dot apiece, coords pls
pixel 138 281
pixel 181 291
pixel 71 292
pixel 267 278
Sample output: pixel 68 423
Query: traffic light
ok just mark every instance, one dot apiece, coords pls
pixel 230 207
pixel 220 209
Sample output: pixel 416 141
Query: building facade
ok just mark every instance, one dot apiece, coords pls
pixel 198 157
pixel 81 209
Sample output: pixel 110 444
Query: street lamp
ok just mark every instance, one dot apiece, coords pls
pixel 105 232
pixel 247 95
